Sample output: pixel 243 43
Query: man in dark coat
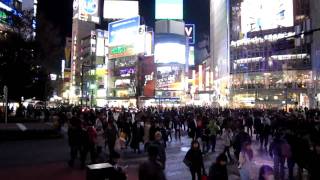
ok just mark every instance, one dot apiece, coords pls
pixel 75 135
pixel 314 163
pixel 240 139
pixel 218 170
pixel 137 136
pixel 151 169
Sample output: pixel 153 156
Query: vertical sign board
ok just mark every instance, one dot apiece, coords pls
pixel 190 33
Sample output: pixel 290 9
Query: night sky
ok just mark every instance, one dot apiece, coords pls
pixel 59 12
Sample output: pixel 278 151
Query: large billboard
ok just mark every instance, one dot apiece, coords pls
pixel 124 35
pixel 169 9
pixel 262 15
pixel 170 53
pixel 170 78
pixel 86 10
pixel 120 9
pixel 124 32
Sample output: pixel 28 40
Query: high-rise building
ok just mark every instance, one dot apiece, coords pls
pixel 31 6
pixel 268 49
pixel 85 17
pixel 11 11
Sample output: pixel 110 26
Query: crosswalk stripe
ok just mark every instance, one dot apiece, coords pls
pixel 21 127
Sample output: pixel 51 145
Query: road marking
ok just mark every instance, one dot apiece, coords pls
pixel 21 127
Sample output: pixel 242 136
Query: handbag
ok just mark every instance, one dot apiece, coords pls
pixel 187 162
pixel 204 177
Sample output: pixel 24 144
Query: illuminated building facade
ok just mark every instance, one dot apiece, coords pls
pixel 270 56
pixel 269 66
pixel 85 17
pixel 130 44
pixel 171 53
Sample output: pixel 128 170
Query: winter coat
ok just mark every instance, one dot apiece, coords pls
pixel 137 136
pixel 100 133
pixel 218 172
pixel 151 170
pixel 195 158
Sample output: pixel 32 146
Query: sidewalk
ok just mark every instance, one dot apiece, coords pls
pixel 23 131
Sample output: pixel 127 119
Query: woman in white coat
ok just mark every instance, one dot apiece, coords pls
pixel 100 135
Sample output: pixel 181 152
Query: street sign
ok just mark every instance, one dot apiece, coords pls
pixel 190 33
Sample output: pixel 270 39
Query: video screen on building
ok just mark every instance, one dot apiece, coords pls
pixel 123 83
pixel 266 14
pixel 191 56
pixel 125 72
pixel 120 9
pixel 124 32
pixel 169 78
pixel 169 9
pixel 170 53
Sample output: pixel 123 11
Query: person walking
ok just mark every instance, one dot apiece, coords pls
pixel 275 152
pixel 89 143
pixel 239 140
pixel 213 128
pixel 111 136
pixel 245 162
pixel 158 142
pixel 314 162
pixel 100 134
pixel 218 170
pixel 116 172
pixel 265 132
pixel 249 124
pixel 194 161
pixel 227 140
pixel 137 136
pixel 75 135
pixel 152 168
pixel 177 128
pixel 266 173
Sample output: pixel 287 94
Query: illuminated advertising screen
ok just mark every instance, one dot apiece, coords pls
pixel 121 51
pixel 191 56
pixel 126 72
pixel 169 9
pixel 262 15
pixel 100 43
pixel 170 53
pixel 123 83
pixel 120 9
pixel 7 2
pixel 169 78
pixel 124 32
pixel 86 10
pixel 4 17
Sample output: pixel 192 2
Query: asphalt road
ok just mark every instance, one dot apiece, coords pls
pixel 47 159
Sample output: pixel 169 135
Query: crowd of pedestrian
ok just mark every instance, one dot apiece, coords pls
pixel 292 139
